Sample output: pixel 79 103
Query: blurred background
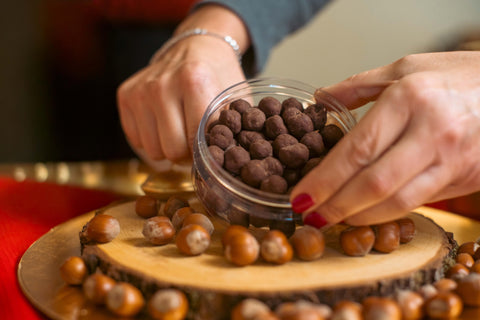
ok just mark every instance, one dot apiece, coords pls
pixel 56 59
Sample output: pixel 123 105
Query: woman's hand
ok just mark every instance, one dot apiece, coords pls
pixel 161 105
pixel 419 142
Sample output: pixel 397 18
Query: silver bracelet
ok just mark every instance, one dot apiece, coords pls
pixel 196 32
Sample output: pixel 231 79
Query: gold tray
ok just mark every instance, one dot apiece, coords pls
pixel 40 281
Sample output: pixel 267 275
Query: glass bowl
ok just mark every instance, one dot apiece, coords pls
pixel 226 196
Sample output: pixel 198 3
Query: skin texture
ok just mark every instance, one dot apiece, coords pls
pixel 418 143
pixel 165 101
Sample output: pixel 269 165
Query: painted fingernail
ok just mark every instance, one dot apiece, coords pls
pixel 315 220
pixel 302 202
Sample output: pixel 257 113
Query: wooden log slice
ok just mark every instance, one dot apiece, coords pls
pixel 214 286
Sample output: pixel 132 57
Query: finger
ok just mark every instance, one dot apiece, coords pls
pixel 196 101
pixel 415 193
pixel 127 118
pixel 379 129
pixel 380 180
pixel 169 118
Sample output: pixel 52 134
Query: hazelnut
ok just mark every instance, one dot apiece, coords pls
pixel 241 248
pixel 476 267
pixel 347 310
pixel 331 134
pixel 261 149
pixel 158 230
pixel 258 222
pixel 387 237
pixel 444 305
pixel 299 124
pixel 146 206
pixel 73 270
pixel 231 231
pixel 124 300
pixel 270 106
pixel 274 126
pixel 249 309
pixel 96 288
pixel 193 240
pixel 357 241
pixel 221 136
pixel 102 228
pixel 274 184
pixel 465 259
pixel 457 271
pixel 427 291
pixel 179 216
pixel 293 156
pixel 314 142
pixel 468 247
pixel 445 284
pixel 232 119
pixel 308 243
pixel 235 158
pixel 290 113
pixel 240 105
pixel 469 289
pixel 200 219
pixel 238 217
pixel 476 255
pixel 253 119
pixel 407 229
pixel 411 304
pixel 172 205
pixel 275 248
pixel 376 308
pixel 168 304
pixel 318 113
pixel 302 309
pixel 217 154
pixel 246 138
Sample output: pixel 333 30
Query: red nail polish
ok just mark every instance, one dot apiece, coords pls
pixel 302 202
pixel 315 220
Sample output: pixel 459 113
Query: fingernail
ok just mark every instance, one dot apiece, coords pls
pixel 302 202
pixel 315 220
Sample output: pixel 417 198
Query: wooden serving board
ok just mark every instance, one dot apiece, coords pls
pixel 214 285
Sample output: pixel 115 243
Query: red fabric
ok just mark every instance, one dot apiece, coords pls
pixel 28 210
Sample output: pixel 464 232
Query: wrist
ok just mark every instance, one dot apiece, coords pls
pixel 220 21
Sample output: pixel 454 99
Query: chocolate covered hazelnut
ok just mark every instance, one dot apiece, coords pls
pixel 314 142
pixel 318 113
pixel 232 119
pixel 253 119
pixel 240 105
pixel 293 156
pixel 246 137
pixel 292 176
pixel 217 154
pixel 274 184
pixel 291 103
pixel 331 134
pixel 273 166
pixel 312 163
pixel 281 141
pixel 235 158
pixel 270 106
pixel 290 112
pixel 221 136
pixel 299 124
pixel 261 149
pixel 253 172
pixel 275 126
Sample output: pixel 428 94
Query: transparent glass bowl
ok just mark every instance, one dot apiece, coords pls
pixel 224 195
